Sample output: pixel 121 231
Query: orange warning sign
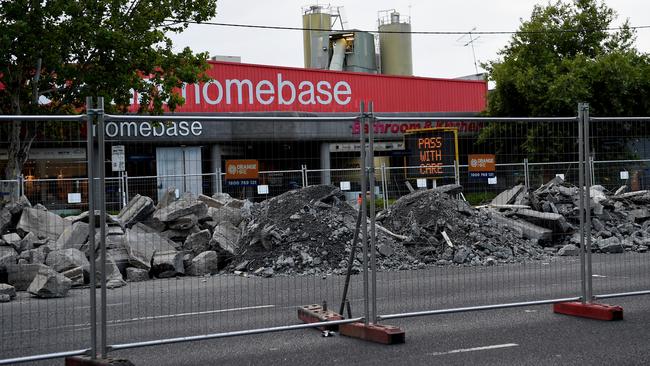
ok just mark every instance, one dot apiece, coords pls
pixel 242 169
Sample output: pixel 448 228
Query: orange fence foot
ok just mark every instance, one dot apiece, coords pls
pixel 591 311
pixel 384 334
pixel 315 313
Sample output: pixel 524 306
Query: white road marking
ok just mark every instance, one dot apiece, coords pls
pixel 83 326
pixel 475 349
pixel 155 317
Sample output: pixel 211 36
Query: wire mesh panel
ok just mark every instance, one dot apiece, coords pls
pixel 44 267
pixel 619 205
pixel 239 251
pixel 504 236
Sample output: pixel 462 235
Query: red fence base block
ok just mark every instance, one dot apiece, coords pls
pixel 592 311
pixel 384 334
pixel 314 313
pixel 87 361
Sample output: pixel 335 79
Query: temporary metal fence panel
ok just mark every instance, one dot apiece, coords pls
pixel 452 256
pixel 619 212
pixel 239 259
pixel 43 254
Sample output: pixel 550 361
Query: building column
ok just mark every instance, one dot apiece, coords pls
pixel 215 166
pixel 325 163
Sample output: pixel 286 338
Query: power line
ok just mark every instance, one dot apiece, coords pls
pixel 258 26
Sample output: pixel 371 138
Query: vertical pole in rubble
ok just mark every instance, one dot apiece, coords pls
pixel 384 185
pixel 102 223
pixel 588 172
pixel 126 187
pixel 371 175
pixel 364 219
pixel 90 169
pixel 581 207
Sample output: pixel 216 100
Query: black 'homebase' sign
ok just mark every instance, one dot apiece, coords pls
pixel 431 153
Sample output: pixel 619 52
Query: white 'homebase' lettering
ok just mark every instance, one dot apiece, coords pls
pixel 279 91
pixel 146 129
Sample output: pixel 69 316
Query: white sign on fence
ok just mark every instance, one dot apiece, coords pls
pixel 422 183
pixel 625 175
pixel 263 189
pixel 560 175
pixel 492 180
pixel 118 161
pixel 345 186
pixel 74 197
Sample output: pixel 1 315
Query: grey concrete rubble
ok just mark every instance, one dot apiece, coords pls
pixel 49 284
pixel 309 231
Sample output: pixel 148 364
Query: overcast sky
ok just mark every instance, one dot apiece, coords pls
pixel 433 55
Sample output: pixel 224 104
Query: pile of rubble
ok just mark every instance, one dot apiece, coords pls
pixel 46 255
pixel 442 229
pixel 620 221
pixel 306 231
pixel 310 231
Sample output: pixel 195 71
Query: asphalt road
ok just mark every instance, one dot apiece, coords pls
pixel 190 306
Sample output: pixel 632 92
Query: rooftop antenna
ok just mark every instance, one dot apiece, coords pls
pixel 471 42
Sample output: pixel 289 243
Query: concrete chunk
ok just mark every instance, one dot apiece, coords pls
pixel 204 263
pixel 49 284
pixel 44 224
pixel 138 209
pixel 525 229
pixel 508 196
pixel 65 259
pixel 548 220
pixel 21 275
pixel 74 236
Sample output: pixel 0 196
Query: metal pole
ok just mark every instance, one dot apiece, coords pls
pixel 90 156
pixel 592 165
pixel 126 186
pixel 384 189
pixel 588 173
pixel 353 253
pixel 364 223
pixel 303 169
pixel 456 172
pixel 102 222
pixel 581 204
pixel 219 189
pixel 526 176
pixel 371 173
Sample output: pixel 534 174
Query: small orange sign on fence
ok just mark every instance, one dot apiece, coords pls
pixel 481 165
pixel 242 169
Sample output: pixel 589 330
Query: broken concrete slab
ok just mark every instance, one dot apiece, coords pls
pixel 182 207
pixel 8 255
pixel 524 228
pixel 77 276
pixel 198 242
pixel 168 263
pixel 74 236
pixel 639 215
pixel 141 246
pixel 21 275
pixel 226 237
pixel 203 264
pixel 610 245
pixel 508 196
pixel 65 259
pixel 212 202
pixel 49 284
pixel 138 209
pixel 569 250
pixel 5 219
pixel 184 222
pixel 548 220
pixel 136 274
pixel 6 289
pixel 42 223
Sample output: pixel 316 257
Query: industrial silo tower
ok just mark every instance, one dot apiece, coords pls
pixel 317 23
pixel 395 43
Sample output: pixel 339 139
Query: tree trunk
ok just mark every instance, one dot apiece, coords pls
pixel 18 153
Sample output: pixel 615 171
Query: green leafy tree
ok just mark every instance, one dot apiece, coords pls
pixel 564 54
pixel 54 53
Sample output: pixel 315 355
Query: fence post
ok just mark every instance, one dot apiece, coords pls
pixel 218 181
pixel 592 166
pixel 588 179
pixel 102 223
pixel 303 172
pixel 526 175
pixel 384 186
pixel 364 219
pixel 90 157
pixel 371 175
pixel 126 186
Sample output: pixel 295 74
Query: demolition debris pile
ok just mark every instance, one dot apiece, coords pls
pixel 445 230
pixel 306 231
pixel 551 215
